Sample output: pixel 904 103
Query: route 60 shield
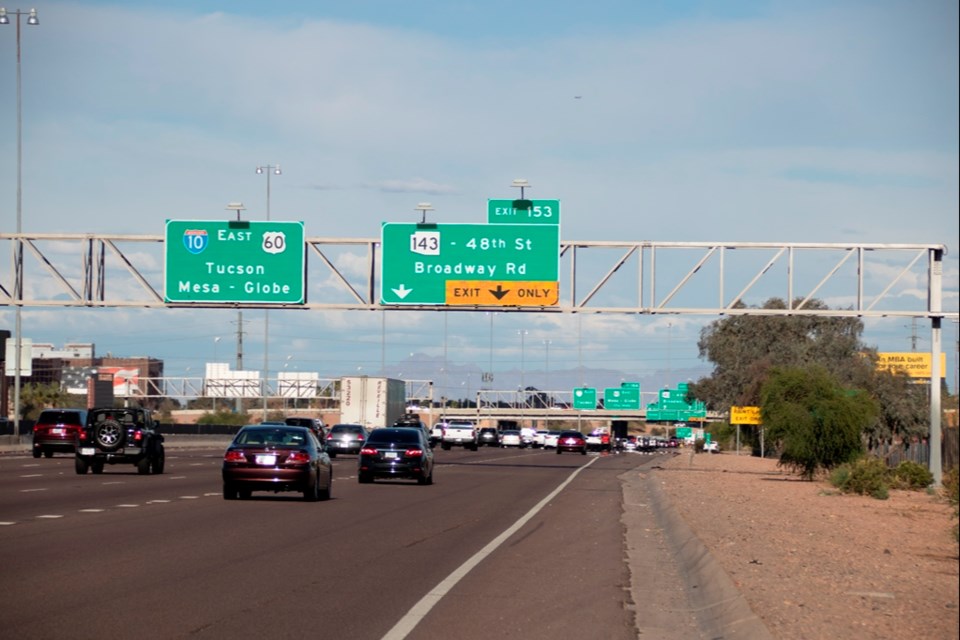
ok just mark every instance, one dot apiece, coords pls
pixel 274 242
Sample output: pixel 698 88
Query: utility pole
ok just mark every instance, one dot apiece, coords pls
pixel 239 406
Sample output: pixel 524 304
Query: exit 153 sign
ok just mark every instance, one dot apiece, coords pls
pixel 234 261
pixel 523 211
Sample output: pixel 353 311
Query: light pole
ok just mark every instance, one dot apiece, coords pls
pixel 216 341
pixel 274 170
pixel 546 365
pixel 238 207
pixel 18 252
pixel 523 387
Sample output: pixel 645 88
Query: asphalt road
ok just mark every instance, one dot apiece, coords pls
pixel 506 543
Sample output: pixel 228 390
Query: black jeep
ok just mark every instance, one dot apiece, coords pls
pixel 120 436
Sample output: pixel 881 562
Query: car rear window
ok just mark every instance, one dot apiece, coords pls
pixel 386 436
pixel 60 417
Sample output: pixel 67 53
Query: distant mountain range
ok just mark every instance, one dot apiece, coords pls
pixel 462 381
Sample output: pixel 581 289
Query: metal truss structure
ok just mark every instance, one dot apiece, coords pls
pixel 702 278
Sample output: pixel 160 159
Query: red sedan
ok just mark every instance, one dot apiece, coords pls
pixel 572 441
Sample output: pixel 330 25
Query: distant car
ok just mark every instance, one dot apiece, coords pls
pixel 268 457
pixel 550 440
pixel 413 421
pixel 572 441
pixel 629 443
pixel 345 438
pixel 599 440
pixel 511 438
pixel 395 452
pixel 539 436
pixel 436 433
pixel 488 436
pixel 57 430
pixel 711 447
pixel 319 429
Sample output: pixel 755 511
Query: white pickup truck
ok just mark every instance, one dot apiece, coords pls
pixel 459 433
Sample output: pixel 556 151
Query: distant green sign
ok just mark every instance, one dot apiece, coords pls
pixel 584 399
pixel 523 211
pixel 234 261
pixel 625 398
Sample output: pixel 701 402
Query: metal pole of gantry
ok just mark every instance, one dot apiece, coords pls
pixel 275 170
pixel 32 20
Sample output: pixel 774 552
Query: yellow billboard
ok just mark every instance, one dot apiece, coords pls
pixel 915 365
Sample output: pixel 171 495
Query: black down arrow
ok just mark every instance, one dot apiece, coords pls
pixel 499 292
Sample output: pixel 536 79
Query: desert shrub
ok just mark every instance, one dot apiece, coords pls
pixel 910 475
pixel 868 477
pixel 840 476
pixel 951 484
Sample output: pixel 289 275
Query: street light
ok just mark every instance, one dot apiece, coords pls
pixel 423 207
pixel 274 170
pixel 521 184
pixel 18 254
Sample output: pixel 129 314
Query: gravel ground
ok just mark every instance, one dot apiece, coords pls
pixel 813 563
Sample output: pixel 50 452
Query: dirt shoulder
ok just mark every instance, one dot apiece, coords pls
pixel 813 563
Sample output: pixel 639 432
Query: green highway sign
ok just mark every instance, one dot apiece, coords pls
pixel 234 261
pixel 624 397
pixel 585 399
pixel 470 264
pixel 523 211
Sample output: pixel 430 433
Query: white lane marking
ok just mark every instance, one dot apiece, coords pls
pixel 32 490
pixel 157 501
pixel 92 510
pixel 177 477
pixel 32 475
pixel 413 617
pixel 127 506
pixel 112 482
pixel 212 493
pixel 49 517
pixel 189 497
pixel 6 524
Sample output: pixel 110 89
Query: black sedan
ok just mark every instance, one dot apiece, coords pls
pixel 345 438
pixel 572 441
pixel 396 453
pixel 276 458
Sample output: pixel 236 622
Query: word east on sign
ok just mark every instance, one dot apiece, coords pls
pixel 234 261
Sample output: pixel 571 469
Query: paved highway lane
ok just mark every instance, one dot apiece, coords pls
pixel 167 557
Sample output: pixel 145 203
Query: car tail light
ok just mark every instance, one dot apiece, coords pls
pixel 413 453
pixel 234 456
pixel 298 457
pixel 82 434
pixel 368 451
pixel 137 435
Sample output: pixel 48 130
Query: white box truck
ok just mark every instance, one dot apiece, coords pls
pixel 372 402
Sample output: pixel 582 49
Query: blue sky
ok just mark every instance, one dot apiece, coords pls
pixel 670 121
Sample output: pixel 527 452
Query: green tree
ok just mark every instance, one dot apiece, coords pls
pixel 35 397
pixel 813 420
pixel 745 348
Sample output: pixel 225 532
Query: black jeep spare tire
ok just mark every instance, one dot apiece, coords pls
pixel 109 435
